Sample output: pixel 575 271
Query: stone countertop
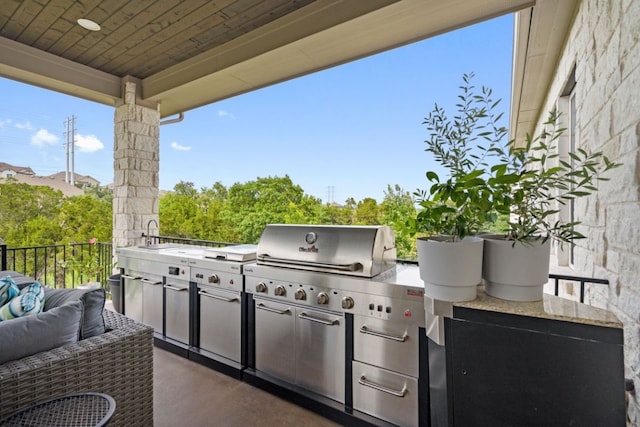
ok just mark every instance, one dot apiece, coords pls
pixel 551 307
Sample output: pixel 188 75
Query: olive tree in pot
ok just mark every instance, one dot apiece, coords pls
pixel 529 182
pixel 454 209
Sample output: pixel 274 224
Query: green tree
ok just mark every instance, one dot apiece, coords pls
pixel 180 211
pixel 397 206
pixel 24 207
pixel 367 212
pixel 85 217
pixel 251 206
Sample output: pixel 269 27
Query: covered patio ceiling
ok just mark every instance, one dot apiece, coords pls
pixel 188 53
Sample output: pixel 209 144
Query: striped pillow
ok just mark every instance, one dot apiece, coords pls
pixel 8 290
pixel 29 301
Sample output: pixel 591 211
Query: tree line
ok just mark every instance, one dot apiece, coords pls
pixel 38 215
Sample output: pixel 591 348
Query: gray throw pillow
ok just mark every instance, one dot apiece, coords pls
pixel 40 332
pixel 92 300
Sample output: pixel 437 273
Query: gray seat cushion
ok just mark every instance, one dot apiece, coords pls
pixel 40 332
pixel 93 303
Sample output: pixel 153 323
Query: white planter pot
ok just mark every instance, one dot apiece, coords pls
pixel 515 272
pixel 451 271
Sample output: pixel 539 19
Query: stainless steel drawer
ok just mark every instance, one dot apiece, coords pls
pixel 177 310
pixel 152 300
pixel 386 395
pixel 390 345
pixel 220 322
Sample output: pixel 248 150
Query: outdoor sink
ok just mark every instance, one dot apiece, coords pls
pixel 157 246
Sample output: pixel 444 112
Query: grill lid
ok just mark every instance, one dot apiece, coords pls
pixel 364 251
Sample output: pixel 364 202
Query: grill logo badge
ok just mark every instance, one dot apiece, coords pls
pixel 310 238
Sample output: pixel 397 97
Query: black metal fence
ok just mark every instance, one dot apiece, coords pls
pixel 46 263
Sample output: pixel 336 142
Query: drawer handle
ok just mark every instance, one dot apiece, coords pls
pixel 315 319
pixel 273 310
pixel 365 382
pixel 204 294
pixel 151 282
pixel 175 288
pixel 400 338
pixel 126 276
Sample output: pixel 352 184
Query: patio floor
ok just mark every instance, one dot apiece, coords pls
pixel 189 394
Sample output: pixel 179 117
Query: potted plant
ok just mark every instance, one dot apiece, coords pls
pixel 529 182
pixel 454 209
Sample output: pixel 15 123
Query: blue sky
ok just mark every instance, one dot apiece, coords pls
pixel 343 132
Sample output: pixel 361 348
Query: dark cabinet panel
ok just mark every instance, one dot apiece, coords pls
pixel 533 372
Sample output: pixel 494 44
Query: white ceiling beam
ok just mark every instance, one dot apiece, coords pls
pixel 33 66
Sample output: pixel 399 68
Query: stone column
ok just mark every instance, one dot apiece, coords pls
pixel 136 168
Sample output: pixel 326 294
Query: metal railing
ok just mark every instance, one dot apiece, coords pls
pixel 186 241
pixel 582 280
pixel 45 263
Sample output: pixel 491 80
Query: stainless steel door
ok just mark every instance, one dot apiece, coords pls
pixel 220 322
pixel 133 295
pixel 177 310
pixel 152 301
pixel 320 352
pixel 384 394
pixel 388 344
pixel 274 339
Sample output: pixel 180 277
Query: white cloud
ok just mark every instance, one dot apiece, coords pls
pixel 88 143
pixel 24 126
pixel 5 122
pixel 222 113
pixel 179 147
pixel 44 137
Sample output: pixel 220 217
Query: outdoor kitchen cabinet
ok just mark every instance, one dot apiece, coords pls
pixel 301 346
pixel 152 300
pixel 499 363
pixel 133 302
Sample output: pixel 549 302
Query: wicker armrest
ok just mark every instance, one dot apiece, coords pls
pixel 118 363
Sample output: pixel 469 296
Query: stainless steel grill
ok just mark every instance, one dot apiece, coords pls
pixel 363 251
pixel 306 281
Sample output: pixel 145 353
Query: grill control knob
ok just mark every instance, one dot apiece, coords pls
pixel 213 278
pixel 300 294
pixel 323 298
pixel 261 287
pixel 280 291
pixel 347 303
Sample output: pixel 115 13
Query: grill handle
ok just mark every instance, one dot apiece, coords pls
pixel 127 276
pixel 151 282
pixel 175 288
pixel 400 338
pixel 315 319
pixel 399 393
pixel 204 294
pixel 354 266
pixel 273 310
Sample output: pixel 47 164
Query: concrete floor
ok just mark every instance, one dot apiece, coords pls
pixel 188 394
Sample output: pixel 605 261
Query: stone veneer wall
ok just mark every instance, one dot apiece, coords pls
pixel 136 169
pixel 604 47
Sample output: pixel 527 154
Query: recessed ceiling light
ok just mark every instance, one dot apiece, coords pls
pixel 88 24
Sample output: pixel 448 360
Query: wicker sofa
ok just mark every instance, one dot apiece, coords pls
pixel 118 362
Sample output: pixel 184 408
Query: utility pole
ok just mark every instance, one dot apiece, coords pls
pixel 330 193
pixel 70 136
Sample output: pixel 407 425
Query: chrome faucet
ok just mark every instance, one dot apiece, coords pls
pixel 148 242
